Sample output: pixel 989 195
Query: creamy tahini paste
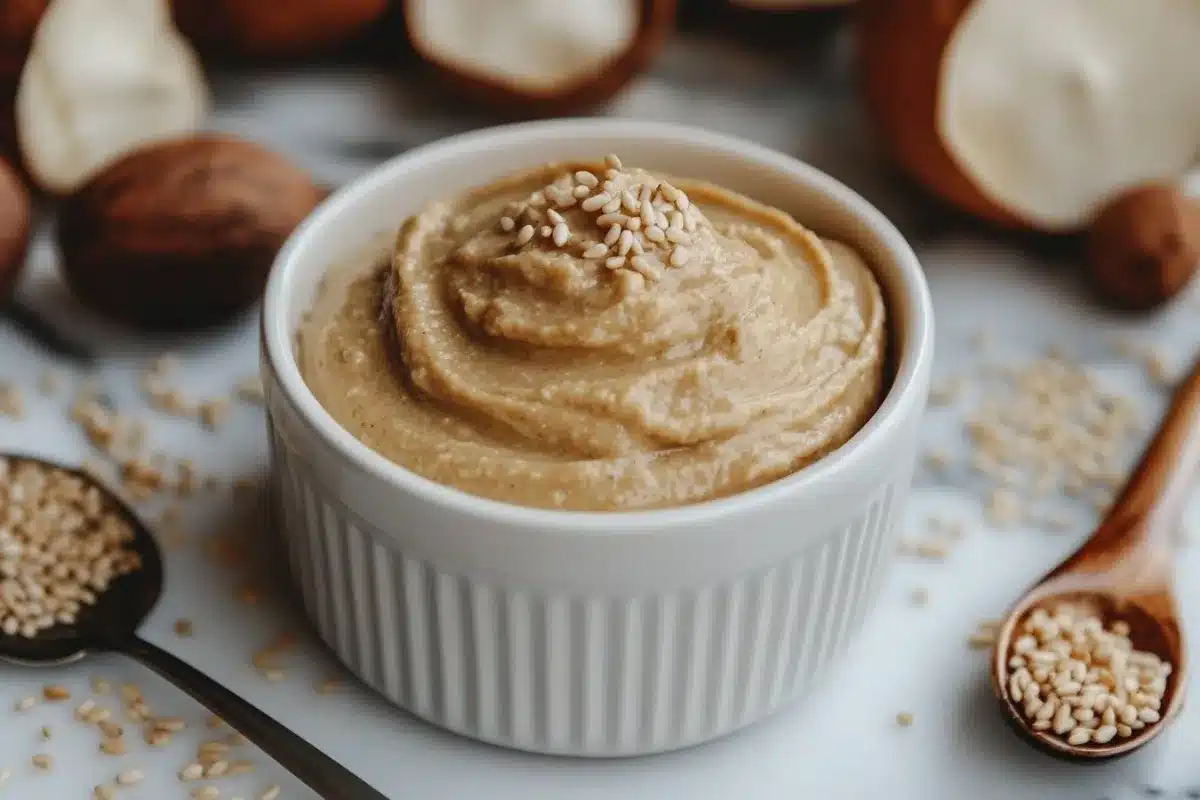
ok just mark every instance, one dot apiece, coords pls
pixel 552 360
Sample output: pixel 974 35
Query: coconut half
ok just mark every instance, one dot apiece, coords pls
pixel 1030 113
pixel 103 77
pixel 547 56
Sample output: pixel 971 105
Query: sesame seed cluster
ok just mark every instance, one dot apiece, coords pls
pixel 61 545
pixel 1085 683
pixel 632 220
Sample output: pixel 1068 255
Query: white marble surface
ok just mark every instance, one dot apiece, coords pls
pixel 843 741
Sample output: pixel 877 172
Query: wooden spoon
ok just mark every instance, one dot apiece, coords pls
pixel 1125 572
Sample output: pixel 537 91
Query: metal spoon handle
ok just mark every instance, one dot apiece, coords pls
pixel 321 773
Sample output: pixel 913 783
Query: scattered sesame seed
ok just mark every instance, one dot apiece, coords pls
pixel 596 251
pixel 525 235
pixel 920 597
pixel 43 762
pixel 679 257
pixel 55 693
pixel 130 777
pixel 191 772
pixel 113 746
pixel 507 224
pixel 904 719
pixel 206 793
pixel 103 792
pixel 612 162
pixel 24 704
pixel 580 192
pixel 615 262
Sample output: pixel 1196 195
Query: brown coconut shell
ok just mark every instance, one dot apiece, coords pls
pixel 657 22
pixel 274 29
pixel 901 46
pixel 18 23
pixel 15 228
pixel 783 23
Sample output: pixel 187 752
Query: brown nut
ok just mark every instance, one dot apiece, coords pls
pixel 1144 245
pixel 14 228
pixel 182 234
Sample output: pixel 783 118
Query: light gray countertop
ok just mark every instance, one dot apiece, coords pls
pixel 843 741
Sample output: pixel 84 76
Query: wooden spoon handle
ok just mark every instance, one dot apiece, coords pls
pixel 1144 518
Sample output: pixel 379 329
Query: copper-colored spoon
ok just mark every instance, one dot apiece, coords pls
pixel 1125 572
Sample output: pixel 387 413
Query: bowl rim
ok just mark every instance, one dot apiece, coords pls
pixel 914 358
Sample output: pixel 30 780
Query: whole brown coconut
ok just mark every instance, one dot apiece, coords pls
pixel 182 234
pixel 1143 247
pixel 14 229
pixel 274 28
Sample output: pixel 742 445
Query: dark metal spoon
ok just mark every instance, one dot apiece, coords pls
pixel 111 626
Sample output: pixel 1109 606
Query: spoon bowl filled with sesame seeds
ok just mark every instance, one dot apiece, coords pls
pixel 1090 664
pixel 79 572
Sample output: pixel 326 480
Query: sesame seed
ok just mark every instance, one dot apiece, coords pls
pixel 507 224
pixel 562 234
pixel 525 235
pixel 192 772
pixel 679 257
pixel 130 777
pixel 624 243
pixel 596 251
pixel 587 179
pixel 216 769
pixel 612 206
pixel 904 719
pixel 634 224
pixel 613 163
pixel 103 792
pixel 546 231
pixel 596 202
pixel 55 693
pixel 647 267
pixel 606 220
pixel 615 262
pixel 655 234
pixel 613 234
pixel 43 762
pixel 580 192
pixel 206 793
pixel 24 704
pixel 920 597
pixel 554 216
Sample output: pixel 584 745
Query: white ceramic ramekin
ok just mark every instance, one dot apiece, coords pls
pixel 598 634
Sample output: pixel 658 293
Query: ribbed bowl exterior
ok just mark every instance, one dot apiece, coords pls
pixel 542 669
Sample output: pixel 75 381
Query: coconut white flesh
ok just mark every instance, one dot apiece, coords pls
pixel 1051 108
pixel 103 77
pixel 534 45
